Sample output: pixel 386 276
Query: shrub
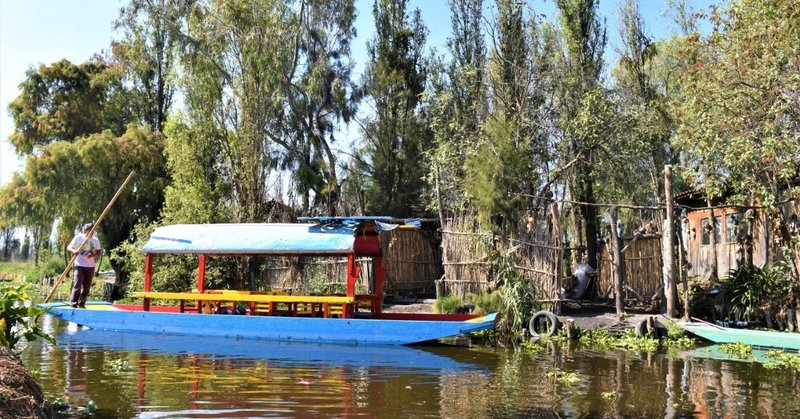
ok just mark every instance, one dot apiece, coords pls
pixel 16 320
pixel 748 288
pixel 448 304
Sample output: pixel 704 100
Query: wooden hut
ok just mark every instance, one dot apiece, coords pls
pixel 739 234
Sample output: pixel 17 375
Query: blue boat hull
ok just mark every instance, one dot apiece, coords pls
pixel 301 329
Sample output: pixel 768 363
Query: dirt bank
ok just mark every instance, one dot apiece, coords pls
pixel 20 394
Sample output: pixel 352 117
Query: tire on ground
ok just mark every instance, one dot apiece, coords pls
pixel 544 323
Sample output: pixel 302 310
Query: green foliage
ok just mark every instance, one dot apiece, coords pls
pixel 51 265
pixel 737 116
pixel 495 167
pixel 16 320
pixel 748 288
pixel 783 360
pixel 602 339
pixel 739 350
pixel 533 347
pixel 491 302
pixel 676 338
pixel 65 101
pixel 447 304
pixel 516 294
pixel 397 137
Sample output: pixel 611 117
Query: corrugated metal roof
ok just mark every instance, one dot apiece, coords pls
pixel 261 239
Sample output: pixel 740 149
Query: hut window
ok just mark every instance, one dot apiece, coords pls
pixel 705 228
pixel 731 227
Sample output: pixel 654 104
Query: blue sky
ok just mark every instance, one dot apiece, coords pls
pixel 34 32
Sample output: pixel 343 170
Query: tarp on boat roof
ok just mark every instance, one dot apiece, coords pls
pixel 256 239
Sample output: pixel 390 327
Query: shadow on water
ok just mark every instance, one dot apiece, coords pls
pixel 139 375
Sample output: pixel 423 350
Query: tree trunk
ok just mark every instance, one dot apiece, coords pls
pixel 670 282
pixel 617 264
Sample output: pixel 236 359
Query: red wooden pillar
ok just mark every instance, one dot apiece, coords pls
pixel 380 273
pixel 201 274
pixel 148 279
pixel 351 275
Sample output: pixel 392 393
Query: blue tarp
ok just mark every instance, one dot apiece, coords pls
pixel 262 239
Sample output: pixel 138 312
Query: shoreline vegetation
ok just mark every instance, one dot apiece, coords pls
pixel 529 150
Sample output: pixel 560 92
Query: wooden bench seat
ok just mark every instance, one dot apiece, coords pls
pixel 263 303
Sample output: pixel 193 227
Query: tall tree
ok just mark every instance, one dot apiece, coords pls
pixel 152 36
pixel 64 101
pixel 237 56
pixel 579 92
pixel 457 104
pixel 500 162
pixel 318 93
pixel 647 144
pixel 396 136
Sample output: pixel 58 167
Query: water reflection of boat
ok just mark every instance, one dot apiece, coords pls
pixel 714 352
pixel 313 354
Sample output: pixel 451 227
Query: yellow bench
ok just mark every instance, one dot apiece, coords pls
pixel 260 303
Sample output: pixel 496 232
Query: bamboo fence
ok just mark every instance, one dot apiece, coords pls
pixel 643 268
pixel 467 256
pixel 412 260
pixel 471 255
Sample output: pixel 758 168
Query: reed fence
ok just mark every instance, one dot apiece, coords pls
pixel 643 268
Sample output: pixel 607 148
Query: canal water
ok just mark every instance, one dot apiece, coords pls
pixel 156 376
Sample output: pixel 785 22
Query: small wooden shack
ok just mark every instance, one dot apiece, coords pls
pixel 738 234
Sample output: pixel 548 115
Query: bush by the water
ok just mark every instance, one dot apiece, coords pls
pixel 16 320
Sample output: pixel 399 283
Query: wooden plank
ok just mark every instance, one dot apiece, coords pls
pixel 258 298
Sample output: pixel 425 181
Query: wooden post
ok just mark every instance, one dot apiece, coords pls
pixel 687 313
pixel 668 252
pixel 617 264
pixel 558 269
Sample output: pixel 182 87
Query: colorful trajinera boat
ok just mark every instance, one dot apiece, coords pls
pixel 348 318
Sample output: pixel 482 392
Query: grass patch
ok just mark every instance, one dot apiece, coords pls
pixel 448 304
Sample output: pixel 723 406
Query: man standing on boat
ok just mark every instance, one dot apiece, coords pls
pixel 84 264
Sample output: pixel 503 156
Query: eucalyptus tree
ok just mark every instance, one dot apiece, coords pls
pixel 152 37
pixel 318 93
pixel 234 61
pixel 396 135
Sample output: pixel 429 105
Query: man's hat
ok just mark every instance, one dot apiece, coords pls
pixel 87 227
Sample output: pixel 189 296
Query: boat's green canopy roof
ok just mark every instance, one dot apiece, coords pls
pixel 255 239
